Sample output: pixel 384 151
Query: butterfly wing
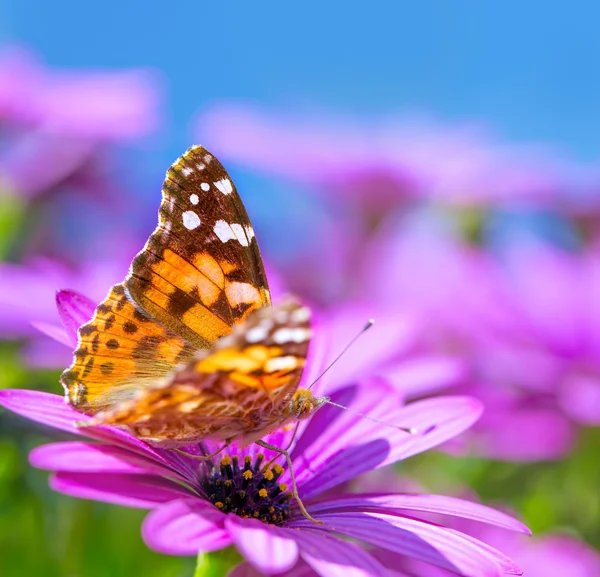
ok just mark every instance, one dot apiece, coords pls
pixel 240 389
pixel 118 351
pixel 201 271
pixel 199 274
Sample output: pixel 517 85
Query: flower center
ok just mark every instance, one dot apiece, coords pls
pixel 249 490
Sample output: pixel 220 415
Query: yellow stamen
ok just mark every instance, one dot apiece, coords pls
pixel 226 460
pixel 278 469
pixel 219 505
pixel 268 475
pixel 248 475
pixel 263 493
pixel 283 487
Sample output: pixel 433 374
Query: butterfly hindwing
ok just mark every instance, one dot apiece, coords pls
pixel 232 391
pixel 200 271
pixel 119 351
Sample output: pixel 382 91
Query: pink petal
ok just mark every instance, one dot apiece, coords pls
pixel 535 433
pixel 56 333
pixel 185 527
pixel 270 549
pixel 338 445
pixel 404 504
pixel 332 557
pixel 142 491
pixel 387 339
pixel 80 457
pixel 421 540
pixel 74 309
pixel 422 376
pixel 53 411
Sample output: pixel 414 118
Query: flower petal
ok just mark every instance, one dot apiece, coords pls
pixel 74 309
pixel 52 410
pixel 403 504
pixel 185 527
pixel 143 491
pixel 80 457
pixel 437 545
pixel 269 548
pixel 332 557
pixel 59 334
pixel 338 445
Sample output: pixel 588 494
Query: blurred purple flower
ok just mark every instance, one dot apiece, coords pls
pixel 524 321
pixel 54 122
pixel 389 161
pixel 28 303
pixel 194 509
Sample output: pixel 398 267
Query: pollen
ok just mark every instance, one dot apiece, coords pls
pixel 246 489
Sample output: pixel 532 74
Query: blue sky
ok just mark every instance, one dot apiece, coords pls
pixel 529 69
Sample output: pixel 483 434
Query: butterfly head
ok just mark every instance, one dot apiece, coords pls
pixel 304 404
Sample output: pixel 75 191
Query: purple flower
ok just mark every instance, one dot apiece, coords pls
pixel 56 121
pixel 388 161
pixel 524 321
pixel 205 506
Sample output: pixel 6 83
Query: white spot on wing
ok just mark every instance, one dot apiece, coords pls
pixel 194 198
pixel 224 186
pixel 191 220
pixel 241 292
pixel 301 315
pixel 287 335
pixel 240 234
pixel 186 171
pixel 286 363
pixel 249 233
pixel 257 334
pixel 205 186
pixel 223 231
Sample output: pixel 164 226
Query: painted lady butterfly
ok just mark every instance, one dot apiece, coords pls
pixel 188 348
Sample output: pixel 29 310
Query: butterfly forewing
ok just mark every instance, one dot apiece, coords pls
pixel 200 271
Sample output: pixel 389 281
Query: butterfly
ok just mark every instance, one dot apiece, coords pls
pixel 188 347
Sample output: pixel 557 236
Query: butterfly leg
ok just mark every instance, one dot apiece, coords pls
pixel 202 457
pixel 289 446
pixel 285 453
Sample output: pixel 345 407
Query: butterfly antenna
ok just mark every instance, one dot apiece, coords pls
pixel 369 324
pixel 409 430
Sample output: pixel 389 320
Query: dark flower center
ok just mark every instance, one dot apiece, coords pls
pixel 249 490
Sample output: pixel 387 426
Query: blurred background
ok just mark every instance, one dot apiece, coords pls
pixel 435 165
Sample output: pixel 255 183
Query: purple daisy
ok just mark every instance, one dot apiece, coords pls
pixel 58 120
pixel 236 500
pixel 389 160
pixel 233 500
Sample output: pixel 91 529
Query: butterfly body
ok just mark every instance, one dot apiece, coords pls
pixel 188 348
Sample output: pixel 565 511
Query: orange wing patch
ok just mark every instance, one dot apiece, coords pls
pixel 119 351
